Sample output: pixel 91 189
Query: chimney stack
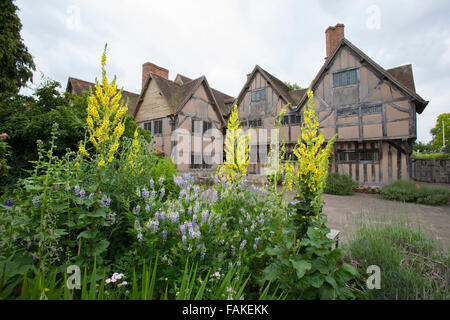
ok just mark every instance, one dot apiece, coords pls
pixel 148 68
pixel 333 36
pixel 248 75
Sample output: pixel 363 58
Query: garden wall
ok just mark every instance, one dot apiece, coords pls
pixel 431 170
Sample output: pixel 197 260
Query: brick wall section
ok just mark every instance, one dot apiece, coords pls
pixel 332 36
pixel 431 170
pixel 150 67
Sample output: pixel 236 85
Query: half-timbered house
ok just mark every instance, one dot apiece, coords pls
pixel 371 109
pixel 259 102
pixel 183 111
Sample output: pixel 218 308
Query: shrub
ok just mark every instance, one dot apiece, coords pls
pixel 430 155
pixel 339 184
pixel 412 266
pixel 410 191
pixel 276 176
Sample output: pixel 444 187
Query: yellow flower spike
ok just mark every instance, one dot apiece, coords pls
pixel 83 150
pixel 105 118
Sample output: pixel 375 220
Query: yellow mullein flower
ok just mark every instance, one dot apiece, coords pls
pixel 237 151
pixel 105 117
pixel 83 150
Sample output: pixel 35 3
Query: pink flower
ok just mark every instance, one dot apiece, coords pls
pixel 1 165
pixel 4 135
pixel 108 281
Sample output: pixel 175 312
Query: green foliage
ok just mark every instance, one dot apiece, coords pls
pixel 430 155
pixel 16 64
pixel 309 268
pixel 5 154
pixel 292 86
pixel 28 119
pixel 131 216
pixel 410 191
pixel 276 177
pixel 442 123
pixel 339 184
pixel 422 147
pixel 412 266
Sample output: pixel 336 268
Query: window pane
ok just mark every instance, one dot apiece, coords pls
pixel 344 78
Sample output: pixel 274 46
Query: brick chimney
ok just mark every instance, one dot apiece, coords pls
pixel 148 68
pixel 248 75
pixel 333 36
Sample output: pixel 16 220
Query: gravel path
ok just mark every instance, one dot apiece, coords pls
pixel 345 211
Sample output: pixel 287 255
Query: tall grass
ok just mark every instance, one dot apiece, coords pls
pixel 413 265
pixel 192 286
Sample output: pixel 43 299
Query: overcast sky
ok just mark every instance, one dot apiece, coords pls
pixel 223 40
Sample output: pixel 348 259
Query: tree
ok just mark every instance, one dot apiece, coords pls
pixel 422 147
pixel 292 86
pixel 16 64
pixel 442 123
pixel 26 119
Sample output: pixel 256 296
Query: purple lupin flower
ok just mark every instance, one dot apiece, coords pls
pixel 145 193
pixel 8 203
pixel 205 216
pixel 243 244
pixel 152 184
pixel 35 202
pixel 164 234
pixel 214 196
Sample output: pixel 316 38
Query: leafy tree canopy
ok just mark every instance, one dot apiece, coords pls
pixel 292 86
pixel 27 119
pixel 16 64
pixel 423 147
pixel 442 123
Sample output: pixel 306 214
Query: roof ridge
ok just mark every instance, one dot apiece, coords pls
pixel 93 84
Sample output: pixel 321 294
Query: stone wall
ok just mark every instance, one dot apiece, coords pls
pixel 431 170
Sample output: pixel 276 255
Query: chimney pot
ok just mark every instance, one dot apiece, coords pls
pixel 333 35
pixel 149 67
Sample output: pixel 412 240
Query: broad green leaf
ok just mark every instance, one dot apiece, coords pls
pixel 300 266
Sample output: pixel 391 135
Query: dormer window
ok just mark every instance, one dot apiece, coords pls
pixel 344 78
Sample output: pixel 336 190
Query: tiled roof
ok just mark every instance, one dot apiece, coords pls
pixel 400 76
pixel 404 75
pixel 221 98
pixel 291 96
pixel 177 94
pixel 78 86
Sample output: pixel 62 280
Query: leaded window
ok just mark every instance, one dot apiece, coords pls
pixel 344 78
pixel 258 95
